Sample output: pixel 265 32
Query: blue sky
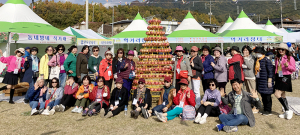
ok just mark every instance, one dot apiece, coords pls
pixel 109 3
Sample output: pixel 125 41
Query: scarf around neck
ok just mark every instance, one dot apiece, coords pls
pixel 18 62
pixel 257 65
pixel 140 94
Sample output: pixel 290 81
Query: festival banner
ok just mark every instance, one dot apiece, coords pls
pixel 86 41
pixel 41 39
pixel 129 40
pixel 254 39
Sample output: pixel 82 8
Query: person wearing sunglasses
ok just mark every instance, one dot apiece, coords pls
pixel 70 62
pixel 165 100
pixel 209 103
pixel 82 62
pixel 14 64
pixel 99 98
pixel 94 62
pixel 184 97
pixel 142 100
pixel 284 67
pixel 58 60
pixel 69 97
pixel 83 94
pixel 208 70
pixel 241 112
pixel 106 69
pixel 45 69
pixel 197 67
pixel 118 61
pixel 31 66
pixel 54 95
pixel 118 99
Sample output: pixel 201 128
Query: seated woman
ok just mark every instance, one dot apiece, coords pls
pixel 118 100
pixel 82 94
pixel 165 101
pixel 185 96
pixel 37 96
pixel 209 103
pixel 100 99
pixel 69 97
pixel 54 94
pixel 142 100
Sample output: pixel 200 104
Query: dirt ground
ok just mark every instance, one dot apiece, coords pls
pixel 16 119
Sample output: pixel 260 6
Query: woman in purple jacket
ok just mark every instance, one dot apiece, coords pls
pixel 220 68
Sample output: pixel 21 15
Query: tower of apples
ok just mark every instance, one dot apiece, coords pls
pixel 155 58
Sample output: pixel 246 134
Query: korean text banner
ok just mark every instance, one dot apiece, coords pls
pixel 40 39
pixel 129 40
pixel 85 41
pixel 259 39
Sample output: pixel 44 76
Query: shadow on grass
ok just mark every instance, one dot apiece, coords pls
pixel 270 125
pixel 51 132
pixel 6 110
pixel 183 122
pixel 26 113
pixel 82 119
pixel 156 119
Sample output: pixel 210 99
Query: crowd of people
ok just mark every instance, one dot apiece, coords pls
pixel 58 81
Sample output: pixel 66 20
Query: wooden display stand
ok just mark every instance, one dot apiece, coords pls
pixel 19 89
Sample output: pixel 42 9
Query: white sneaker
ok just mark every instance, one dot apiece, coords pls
pixel 75 110
pixel 62 108
pixel 45 112
pixel 34 112
pixel 283 116
pixel 57 109
pixel 52 111
pixel 202 121
pixel 289 114
pixel 198 118
pixel 79 110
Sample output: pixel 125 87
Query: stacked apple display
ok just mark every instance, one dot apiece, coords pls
pixel 155 59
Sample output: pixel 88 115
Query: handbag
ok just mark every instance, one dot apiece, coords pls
pixel 35 74
pixel 224 109
pixel 2 74
pixel 55 71
pixel 183 74
pixel 188 113
pixel 92 76
pixel 49 100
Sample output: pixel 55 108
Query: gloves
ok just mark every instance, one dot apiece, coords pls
pixel 244 66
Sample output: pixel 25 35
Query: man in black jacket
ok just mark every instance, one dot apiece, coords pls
pixel 241 112
pixel 197 67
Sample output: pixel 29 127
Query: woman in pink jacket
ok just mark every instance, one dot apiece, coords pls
pixel 14 64
pixel 69 99
pixel 284 67
pixel 58 60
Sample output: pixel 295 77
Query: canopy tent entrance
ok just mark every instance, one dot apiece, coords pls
pixel 90 38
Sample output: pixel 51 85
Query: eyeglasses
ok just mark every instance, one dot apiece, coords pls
pixel 100 81
pixel 95 50
pixel 211 84
pixel 120 52
pixel 54 82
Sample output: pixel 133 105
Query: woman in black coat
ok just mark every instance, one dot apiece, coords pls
pixel 264 79
pixel 31 66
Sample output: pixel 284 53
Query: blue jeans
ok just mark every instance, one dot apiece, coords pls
pixel 159 108
pixel 233 120
pixel 30 85
pixel 62 79
pixel 34 104
pixel 53 103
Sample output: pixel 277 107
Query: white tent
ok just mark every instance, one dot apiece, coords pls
pixel 225 26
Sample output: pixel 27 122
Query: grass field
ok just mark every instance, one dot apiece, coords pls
pixel 16 119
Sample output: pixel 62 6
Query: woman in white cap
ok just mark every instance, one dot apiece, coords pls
pixel 284 67
pixel 14 64
pixel 105 69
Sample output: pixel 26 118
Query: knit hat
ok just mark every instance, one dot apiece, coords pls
pixel 142 80
pixel 167 79
pixel 218 49
pixel 283 46
pixel 205 47
pixel 130 52
pixel 260 49
pixel 195 48
pixel 22 50
pixel 235 48
pixel 183 81
pixel 179 48
pixel 119 80
pixel 108 52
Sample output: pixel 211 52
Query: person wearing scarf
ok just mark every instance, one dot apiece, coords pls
pixel 142 100
pixel 45 69
pixel 208 70
pixel 264 79
pixel 14 64
pixel 94 62
pixel 31 67
pixel 82 62
pixel 58 60
pixel 185 96
pixel 100 99
pixel 106 69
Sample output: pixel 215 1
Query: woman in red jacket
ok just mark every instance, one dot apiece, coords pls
pixel 100 99
pixel 185 96
pixel 105 69
pixel 235 64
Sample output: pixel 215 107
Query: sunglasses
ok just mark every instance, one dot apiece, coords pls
pixel 95 50
pixel 100 81
pixel 120 52
pixel 19 52
pixel 54 82
pixel 211 84
pixel 60 49
pixel 281 49
pixel 141 83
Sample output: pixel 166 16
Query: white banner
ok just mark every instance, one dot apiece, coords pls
pixel 41 39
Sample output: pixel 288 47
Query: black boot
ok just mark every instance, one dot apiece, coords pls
pixel 12 92
pixel 3 88
pixel 281 100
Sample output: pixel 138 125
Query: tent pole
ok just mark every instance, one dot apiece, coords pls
pixel 8 45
